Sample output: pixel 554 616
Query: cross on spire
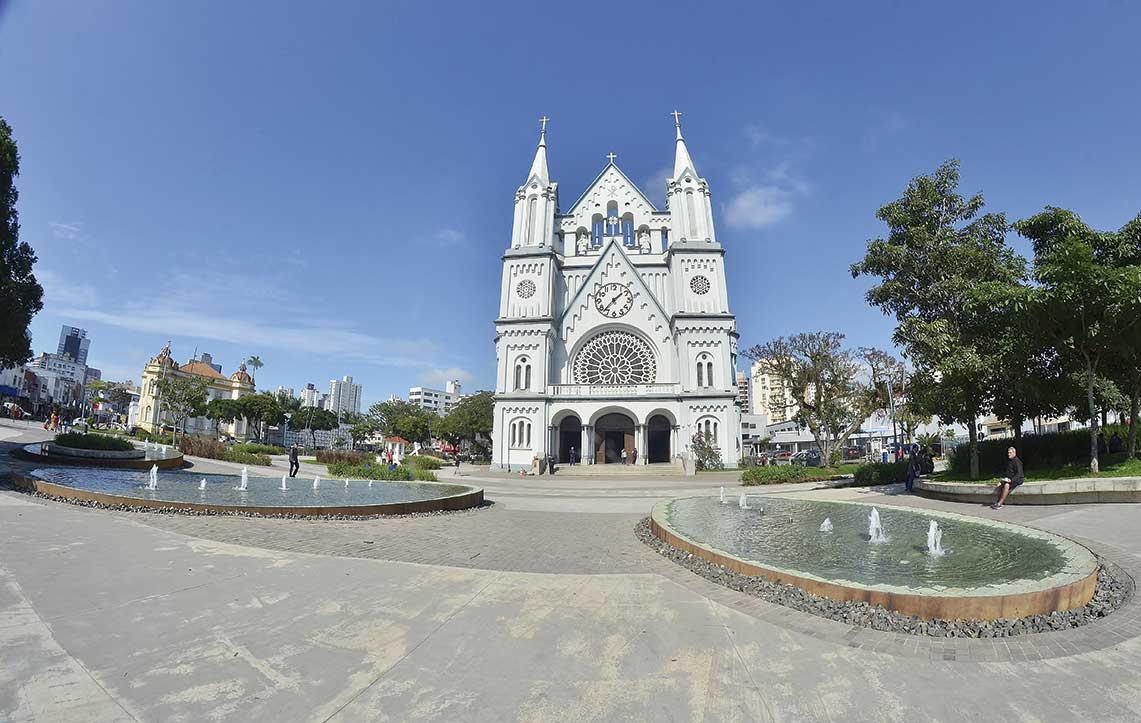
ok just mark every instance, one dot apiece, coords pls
pixel 544 121
pixel 677 118
pixel 612 155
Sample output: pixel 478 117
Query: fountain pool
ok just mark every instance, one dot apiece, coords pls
pixel 238 493
pixel 987 570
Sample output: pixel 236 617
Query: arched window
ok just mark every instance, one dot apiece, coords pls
pixel 708 428
pixel 598 230
pixel 628 231
pixel 691 214
pixel 665 238
pixel 521 434
pixel 700 374
pixel 705 371
pixel 709 373
pixel 522 373
pixel 530 221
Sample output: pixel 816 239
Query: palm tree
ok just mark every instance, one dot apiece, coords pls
pixel 254 363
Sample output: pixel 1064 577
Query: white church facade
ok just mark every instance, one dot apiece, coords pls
pixel 614 329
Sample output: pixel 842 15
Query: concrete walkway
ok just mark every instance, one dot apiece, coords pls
pixel 525 611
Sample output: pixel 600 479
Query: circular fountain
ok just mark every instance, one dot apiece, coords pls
pixel 246 494
pixel 916 562
pixel 51 453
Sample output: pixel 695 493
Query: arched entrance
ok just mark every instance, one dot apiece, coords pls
pixel 612 433
pixel 570 436
pixel 658 431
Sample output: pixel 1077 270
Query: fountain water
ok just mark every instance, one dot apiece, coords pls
pixel 934 539
pixel 826 525
pixel 202 484
pixel 370 483
pixel 153 484
pixel 316 482
pixel 743 503
pixel 284 486
pixel 346 484
pixel 722 495
pixel 875 527
pixel 245 480
pixel 146 445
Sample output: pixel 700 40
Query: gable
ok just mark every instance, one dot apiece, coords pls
pixel 611 185
pixel 614 266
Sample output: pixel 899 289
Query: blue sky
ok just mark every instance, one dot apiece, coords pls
pixel 329 185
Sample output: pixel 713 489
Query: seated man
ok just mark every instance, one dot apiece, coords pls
pixel 1116 445
pixel 1012 479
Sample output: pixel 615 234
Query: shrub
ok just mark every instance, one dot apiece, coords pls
pixel 881 473
pixel 775 474
pixel 335 456
pixel 380 472
pixel 423 462
pixel 254 448
pixel 706 455
pixel 213 449
pixel 93 441
pixel 1037 451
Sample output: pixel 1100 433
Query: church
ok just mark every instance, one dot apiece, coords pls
pixel 614 330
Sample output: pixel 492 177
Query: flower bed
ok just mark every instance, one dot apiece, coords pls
pixel 102 442
pixel 400 473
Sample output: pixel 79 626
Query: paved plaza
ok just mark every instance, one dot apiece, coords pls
pixel 542 606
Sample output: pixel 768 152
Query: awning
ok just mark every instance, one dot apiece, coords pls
pixel 7 391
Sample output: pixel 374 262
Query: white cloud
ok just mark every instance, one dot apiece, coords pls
pixel 655 185
pixel 439 377
pixel 756 207
pixel 67 231
pixel 449 236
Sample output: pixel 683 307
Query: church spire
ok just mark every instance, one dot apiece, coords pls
pixel 539 166
pixel 682 161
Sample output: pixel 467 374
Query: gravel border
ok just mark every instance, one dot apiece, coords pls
pixel 1114 587
pixel 238 513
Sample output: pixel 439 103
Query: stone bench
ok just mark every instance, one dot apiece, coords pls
pixel 1052 492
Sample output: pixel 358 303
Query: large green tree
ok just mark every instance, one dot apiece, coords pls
pixel 1086 300
pixel 312 419
pixel 939 248
pixel 470 419
pixel 835 389
pixel 223 410
pixel 21 296
pixel 399 418
pixel 261 411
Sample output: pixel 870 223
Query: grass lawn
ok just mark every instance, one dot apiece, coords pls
pixel 1115 465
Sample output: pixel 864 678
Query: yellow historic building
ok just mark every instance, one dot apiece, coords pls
pixel 151 414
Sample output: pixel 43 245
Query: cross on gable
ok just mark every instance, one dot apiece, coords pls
pixel 612 155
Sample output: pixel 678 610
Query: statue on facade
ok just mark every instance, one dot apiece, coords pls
pixel 583 243
pixel 644 241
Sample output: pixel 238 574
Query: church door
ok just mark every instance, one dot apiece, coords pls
pixel 658 439
pixel 570 436
pixel 612 434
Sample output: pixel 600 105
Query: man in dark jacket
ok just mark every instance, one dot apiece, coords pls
pixel 294 465
pixel 1012 479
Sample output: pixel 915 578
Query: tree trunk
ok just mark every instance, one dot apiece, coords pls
pixel 973 448
pixel 1134 403
pixel 1104 421
pixel 1093 463
pixel 1017 422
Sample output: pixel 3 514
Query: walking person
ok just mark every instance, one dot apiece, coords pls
pixel 457 472
pixel 634 456
pixel 624 456
pixel 294 465
pixel 570 457
pixel 1013 478
pixel 912 468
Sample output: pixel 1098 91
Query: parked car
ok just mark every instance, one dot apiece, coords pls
pixel 782 455
pixel 809 458
pixel 853 452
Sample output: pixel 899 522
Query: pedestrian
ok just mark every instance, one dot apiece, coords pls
pixel 1013 478
pixel 1116 444
pixel 912 468
pixel 624 456
pixel 457 472
pixel 634 456
pixel 294 464
pixel 570 457
pixel 551 463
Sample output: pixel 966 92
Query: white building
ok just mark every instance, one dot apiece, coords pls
pixel 61 378
pixel 344 396
pixel 771 396
pixel 744 397
pixel 439 401
pixel 310 397
pixel 614 329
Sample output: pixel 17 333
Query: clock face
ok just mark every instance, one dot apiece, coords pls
pixel 614 300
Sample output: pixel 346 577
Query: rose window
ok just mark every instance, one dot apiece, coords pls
pixel 615 357
pixel 525 289
pixel 699 284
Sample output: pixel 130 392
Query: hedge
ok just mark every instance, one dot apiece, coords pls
pixel 400 473
pixel 255 448
pixel 424 462
pixel 1037 451
pixel 104 442
pixel 213 449
pixel 881 473
pixel 336 456
pixel 776 474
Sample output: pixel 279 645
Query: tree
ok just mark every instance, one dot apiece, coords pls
pixel 470 419
pixel 182 398
pixel 255 363
pixel 313 419
pixel 261 411
pixel 120 396
pixel 223 410
pixel 361 430
pixel 706 454
pixel 398 418
pixel 1086 302
pixel 22 295
pixel 938 250
pixel 835 389
pixel 1126 251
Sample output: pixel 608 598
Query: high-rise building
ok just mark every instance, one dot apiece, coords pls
pixel 344 396
pixel 284 391
pixel 772 397
pixel 73 342
pixel 744 398
pixel 439 401
pixel 310 397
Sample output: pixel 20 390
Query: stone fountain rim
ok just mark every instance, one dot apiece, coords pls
pixel 1061 591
